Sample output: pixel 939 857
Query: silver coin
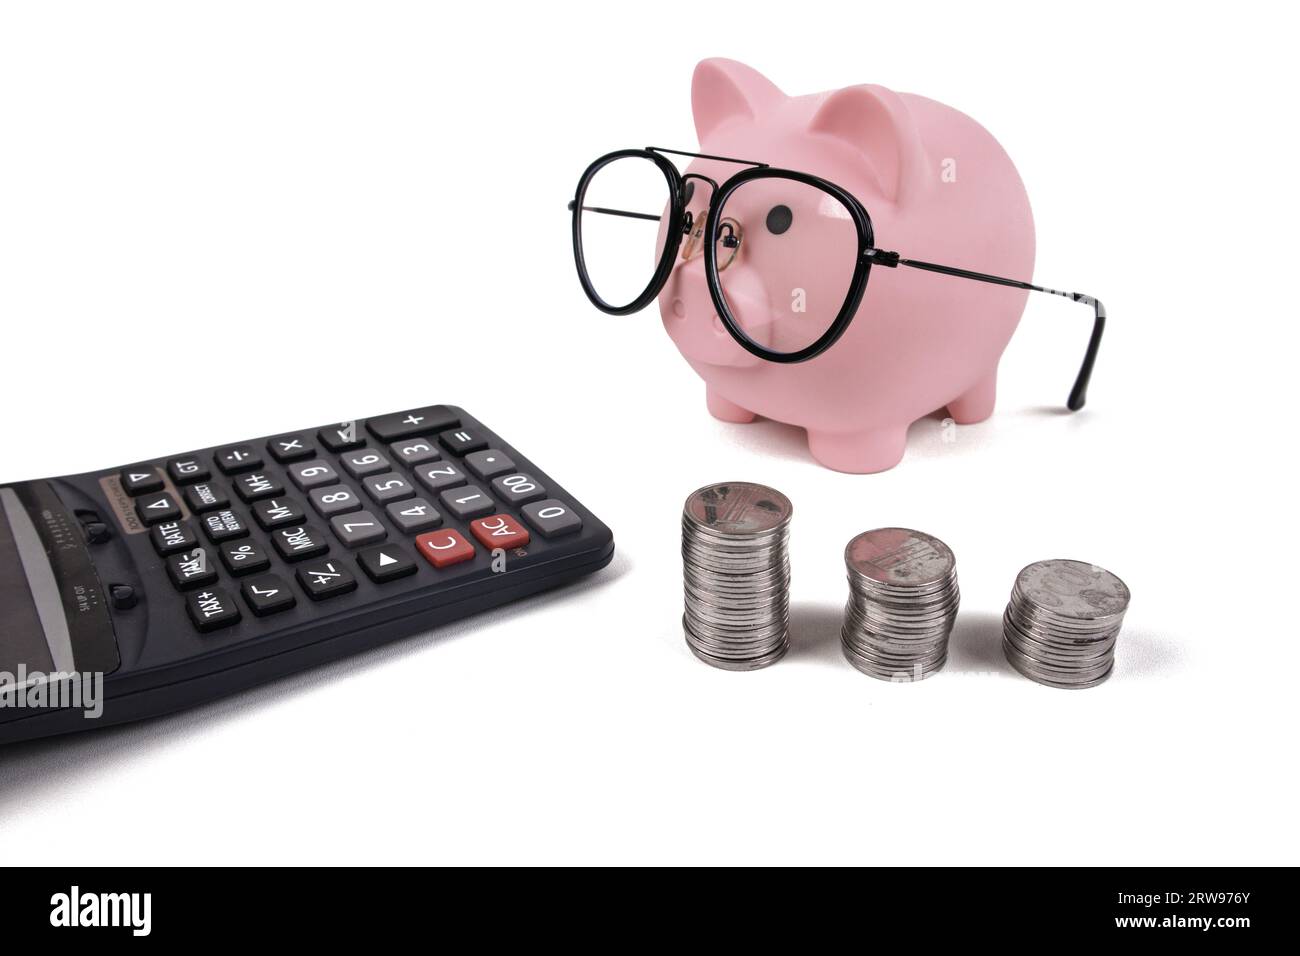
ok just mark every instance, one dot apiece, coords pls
pixel 1062 623
pixel 736 575
pixel 738 508
pixel 903 601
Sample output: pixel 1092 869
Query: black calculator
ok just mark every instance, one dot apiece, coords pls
pixel 141 590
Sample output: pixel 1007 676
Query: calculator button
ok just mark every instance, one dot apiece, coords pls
pixel 155 508
pixel 299 542
pixel 205 496
pixel 325 579
pixel 418 421
pixel 552 518
pixel 334 500
pixel 385 562
pixel 257 484
pixel 358 464
pixel 518 489
pixel 141 480
pixel 341 436
pixel 462 441
pixel 389 487
pixel 172 536
pixel 185 470
pixel 357 529
pixel 274 513
pixel 289 448
pixel 191 569
pixel 237 458
pixel 414 451
pixel 444 548
pixel 267 594
pixel 468 502
pixel 223 526
pixel 414 516
pixel 499 531
pixel 312 474
pixel 489 463
pixel 244 557
pixel 211 608
pixel 439 475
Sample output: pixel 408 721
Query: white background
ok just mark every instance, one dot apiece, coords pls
pixel 226 220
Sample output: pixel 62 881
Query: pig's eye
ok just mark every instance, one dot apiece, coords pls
pixel 779 219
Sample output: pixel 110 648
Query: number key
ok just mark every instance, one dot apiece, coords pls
pixel 415 451
pixel 439 475
pixel 358 464
pixel 414 516
pixel 389 487
pixel 518 489
pixel 357 529
pixel 334 500
pixel 468 502
pixel 552 518
pixel 312 474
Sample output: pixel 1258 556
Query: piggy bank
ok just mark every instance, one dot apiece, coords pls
pixel 938 187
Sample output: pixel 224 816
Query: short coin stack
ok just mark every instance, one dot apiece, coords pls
pixel 1062 623
pixel 736 570
pixel 903 599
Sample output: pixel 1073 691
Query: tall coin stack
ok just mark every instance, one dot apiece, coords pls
pixel 1062 623
pixel 736 570
pixel 903 600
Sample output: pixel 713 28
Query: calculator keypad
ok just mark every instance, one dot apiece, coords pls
pixel 384 490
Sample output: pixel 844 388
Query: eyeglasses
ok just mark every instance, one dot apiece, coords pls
pixel 635 217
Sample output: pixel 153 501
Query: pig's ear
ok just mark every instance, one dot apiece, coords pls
pixel 723 90
pixel 876 122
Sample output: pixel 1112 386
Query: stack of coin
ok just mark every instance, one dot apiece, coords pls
pixel 737 574
pixel 903 600
pixel 1062 623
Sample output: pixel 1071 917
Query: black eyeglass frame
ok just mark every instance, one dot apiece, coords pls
pixel 679 224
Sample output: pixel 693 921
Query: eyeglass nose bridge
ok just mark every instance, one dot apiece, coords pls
pixel 731 233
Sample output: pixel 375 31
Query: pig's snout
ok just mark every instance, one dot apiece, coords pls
pixel 695 326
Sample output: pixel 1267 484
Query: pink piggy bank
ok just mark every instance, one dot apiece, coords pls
pixel 937 185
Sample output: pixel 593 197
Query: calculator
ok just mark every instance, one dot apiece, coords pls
pixel 141 590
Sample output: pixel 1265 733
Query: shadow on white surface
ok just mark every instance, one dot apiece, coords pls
pixel 27 769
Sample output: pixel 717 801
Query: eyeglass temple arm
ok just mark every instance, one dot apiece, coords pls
pixel 1079 393
pixel 617 212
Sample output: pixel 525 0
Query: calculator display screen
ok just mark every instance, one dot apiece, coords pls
pixel 22 640
pixel 53 610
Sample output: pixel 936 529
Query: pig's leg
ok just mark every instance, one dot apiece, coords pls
pixel 727 410
pixel 859 453
pixel 977 403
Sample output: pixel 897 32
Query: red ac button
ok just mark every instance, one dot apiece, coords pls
pixel 499 531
